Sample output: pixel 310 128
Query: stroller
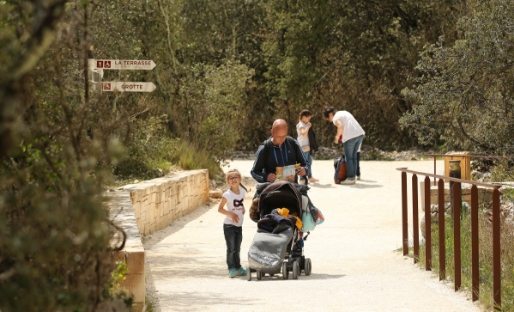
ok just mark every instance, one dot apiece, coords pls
pixel 277 246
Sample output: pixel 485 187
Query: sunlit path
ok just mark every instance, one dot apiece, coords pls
pixel 355 265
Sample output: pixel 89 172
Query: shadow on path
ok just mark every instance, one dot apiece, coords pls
pixel 155 238
pixel 209 300
pixel 323 186
pixel 365 186
pixel 322 276
pixel 313 276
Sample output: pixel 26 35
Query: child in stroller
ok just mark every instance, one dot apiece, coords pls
pixel 277 246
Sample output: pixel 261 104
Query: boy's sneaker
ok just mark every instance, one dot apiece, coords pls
pixel 232 273
pixel 348 182
pixel 242 271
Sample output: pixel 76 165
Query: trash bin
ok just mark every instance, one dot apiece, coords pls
pixel 465 164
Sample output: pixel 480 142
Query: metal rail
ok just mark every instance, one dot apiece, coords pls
pixel 456 201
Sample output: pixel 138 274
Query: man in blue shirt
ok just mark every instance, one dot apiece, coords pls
pixel 278 151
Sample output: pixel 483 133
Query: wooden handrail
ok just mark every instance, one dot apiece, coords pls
pixel 455 200
pixel 472 156
pixel 493 185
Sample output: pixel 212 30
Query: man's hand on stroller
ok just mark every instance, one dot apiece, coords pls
pixel 301 171
pixel 271 177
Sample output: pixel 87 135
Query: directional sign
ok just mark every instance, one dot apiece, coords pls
pixel 125 86
pixel 122 64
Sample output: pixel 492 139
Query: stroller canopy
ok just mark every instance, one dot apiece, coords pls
pixel 280 194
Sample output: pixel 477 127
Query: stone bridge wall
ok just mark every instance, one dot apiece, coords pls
pixel 158 202
pixel 143 208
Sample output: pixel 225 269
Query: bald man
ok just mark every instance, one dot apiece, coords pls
pixel 278 151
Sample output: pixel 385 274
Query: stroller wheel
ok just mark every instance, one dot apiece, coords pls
pixel 259 275
pixel 285 272
pixel 249 275
pixel 296 269
pixel 308 266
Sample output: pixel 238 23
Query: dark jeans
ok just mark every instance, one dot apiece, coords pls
pixel 233 238
pixel 358 172
pixel 308 160
pixel 350 150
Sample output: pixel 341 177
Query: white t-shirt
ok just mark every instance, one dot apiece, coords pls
pixel 303 140
pixel 235 203
pixel 351 128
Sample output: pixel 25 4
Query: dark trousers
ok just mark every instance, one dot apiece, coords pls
pixel 350 150
pixel 358 171
pixel 233 238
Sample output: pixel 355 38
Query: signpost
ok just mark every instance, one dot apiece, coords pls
pixel 123 64
pixel 96 68
pixel 125 86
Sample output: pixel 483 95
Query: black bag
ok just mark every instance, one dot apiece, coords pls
pixel 340 169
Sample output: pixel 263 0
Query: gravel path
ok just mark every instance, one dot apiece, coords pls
pixel 356 266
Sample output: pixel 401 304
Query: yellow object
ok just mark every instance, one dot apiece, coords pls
pixel 284 212
pixel 299 223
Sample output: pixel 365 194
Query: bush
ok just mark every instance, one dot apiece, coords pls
pixel 131 168
pixel 463 97
pixel 502 172
pixel 485 258
pixel 189 157
pixel 54 232
pixel 152 153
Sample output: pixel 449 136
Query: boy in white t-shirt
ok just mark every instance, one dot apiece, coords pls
pixel 352 136
pixel 233 198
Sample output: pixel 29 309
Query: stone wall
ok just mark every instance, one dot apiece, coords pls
pixel 159 202
pixel 133 253
pixel 143 208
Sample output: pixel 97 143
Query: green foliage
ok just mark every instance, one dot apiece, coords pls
pixel 485 259
pixel 54 233
pixel 464 96
pixel 502 172
pixel 508 194
pixel 225 69
pixel 291 55
pixel 353 55
pixel 115 290
pixel 55 252
pixel 189 158
pixel 151 155
pixel 158 159
pixel 223 113
pixel 118 275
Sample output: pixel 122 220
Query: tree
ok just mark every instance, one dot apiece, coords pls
pixel 353 55
pixel 464 94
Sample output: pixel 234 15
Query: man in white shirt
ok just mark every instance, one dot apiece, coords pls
pixel 352 136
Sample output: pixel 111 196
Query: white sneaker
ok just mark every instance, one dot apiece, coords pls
pixel 348 182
